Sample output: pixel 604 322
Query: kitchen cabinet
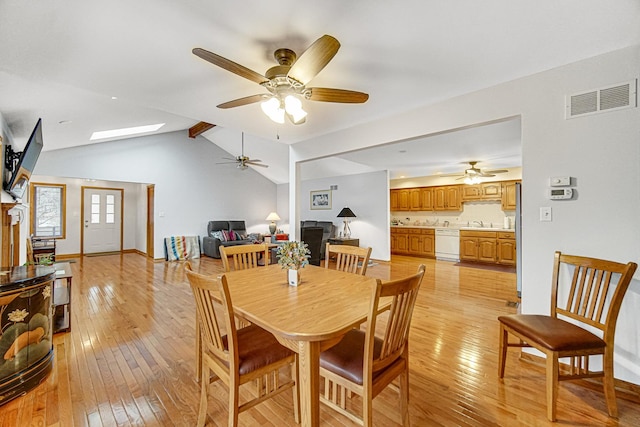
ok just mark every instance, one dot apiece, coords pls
pixel 414 199
pixel 421 242
pixel 506 248
pixel 399 199
pixel 484 191
pixel 509 195
pixel 426 198
pixel 447 198
pixel 413 241
pixel 488 247
pixel 399 240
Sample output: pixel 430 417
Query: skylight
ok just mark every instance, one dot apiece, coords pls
pixel 104 134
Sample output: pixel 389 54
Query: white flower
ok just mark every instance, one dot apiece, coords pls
pixel 18 315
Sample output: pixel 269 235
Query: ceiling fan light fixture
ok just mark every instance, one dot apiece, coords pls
pixel 273 109
pixel 293 107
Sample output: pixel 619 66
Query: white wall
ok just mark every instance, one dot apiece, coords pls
pixel 367 196
pixel 190 188
pixel 601 151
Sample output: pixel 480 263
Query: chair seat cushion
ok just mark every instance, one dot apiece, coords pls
pixel 552 333
pixel 258 348
pixel 346 357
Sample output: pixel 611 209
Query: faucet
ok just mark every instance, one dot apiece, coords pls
pixel 479 222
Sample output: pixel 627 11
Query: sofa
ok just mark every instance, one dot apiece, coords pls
pixel 328 231
pixel 225 233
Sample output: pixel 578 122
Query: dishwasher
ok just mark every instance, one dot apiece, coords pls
pixel 448 244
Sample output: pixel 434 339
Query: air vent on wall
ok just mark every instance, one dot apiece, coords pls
pixel 600 100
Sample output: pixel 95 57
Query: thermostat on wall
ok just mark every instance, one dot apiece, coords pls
pixel 560 181
pixel 560 193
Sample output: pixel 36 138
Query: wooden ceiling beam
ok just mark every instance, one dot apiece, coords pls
pixel 199 128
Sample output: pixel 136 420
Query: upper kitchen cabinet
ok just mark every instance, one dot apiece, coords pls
pixel 509 195
pixel 484 191
pixel 426 198
pixel 414 199
pixel 399 199
pixel 447 198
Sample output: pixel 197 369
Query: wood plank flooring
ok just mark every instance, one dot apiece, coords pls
pixel 129 359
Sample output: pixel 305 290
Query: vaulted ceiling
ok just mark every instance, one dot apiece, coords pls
pixel 89 66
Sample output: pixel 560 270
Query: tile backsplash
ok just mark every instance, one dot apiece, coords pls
pixel 489 212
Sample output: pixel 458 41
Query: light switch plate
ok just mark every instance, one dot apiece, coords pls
pixel 560 181
pixel 545 213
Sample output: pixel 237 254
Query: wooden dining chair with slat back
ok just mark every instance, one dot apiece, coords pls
pixel 351 259
pixel 237 356
pixel 592 298
pixel 243 256
pixel 364 364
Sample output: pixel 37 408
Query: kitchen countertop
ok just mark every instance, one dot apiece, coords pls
pixel 456 227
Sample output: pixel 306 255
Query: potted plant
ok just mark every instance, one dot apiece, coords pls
pixel 293 256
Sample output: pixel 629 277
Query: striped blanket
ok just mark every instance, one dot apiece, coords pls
pixel 178 248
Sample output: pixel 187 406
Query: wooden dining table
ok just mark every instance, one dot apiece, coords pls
pixel 307 318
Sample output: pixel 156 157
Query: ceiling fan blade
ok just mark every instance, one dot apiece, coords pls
pixel 229 65
pixel 226 163
pixel 325 94
pixel 252 160
pixel 496 171
pixel 314 59
pixel 244 101
pixel 485 175
pixel 257 164
pixel 451 175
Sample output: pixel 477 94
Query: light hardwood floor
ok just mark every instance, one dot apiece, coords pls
pixel 129 359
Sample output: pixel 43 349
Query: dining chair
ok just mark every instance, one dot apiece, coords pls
pixel 243 256
pixel 312 236
pixel 584 291
pixel 364 364
pixel 351 259
pixel 238 356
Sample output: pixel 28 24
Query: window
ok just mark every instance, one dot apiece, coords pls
pixel 48 207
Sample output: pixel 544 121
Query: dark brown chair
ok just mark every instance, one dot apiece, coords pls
pixel 312 236
pixel 237 356
pixel 365 365
pixel 593 299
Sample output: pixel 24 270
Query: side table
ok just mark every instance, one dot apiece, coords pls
pixel 62 297
pixel 343 241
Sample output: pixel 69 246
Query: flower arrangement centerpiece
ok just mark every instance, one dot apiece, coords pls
pixel 293 256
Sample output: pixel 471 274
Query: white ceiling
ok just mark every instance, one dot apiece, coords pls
pixel 64 61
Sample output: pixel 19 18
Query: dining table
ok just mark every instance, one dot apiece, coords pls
pixel 308 318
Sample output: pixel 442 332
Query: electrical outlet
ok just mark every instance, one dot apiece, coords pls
pixel 545 213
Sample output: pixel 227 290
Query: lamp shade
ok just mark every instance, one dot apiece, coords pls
pixel 346 213
pixel 273 217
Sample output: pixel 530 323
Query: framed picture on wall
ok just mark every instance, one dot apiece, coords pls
pixel 320 199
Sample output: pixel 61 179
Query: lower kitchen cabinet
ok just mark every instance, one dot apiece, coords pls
pixel 506 248
pixel 488 247
pixel 413 241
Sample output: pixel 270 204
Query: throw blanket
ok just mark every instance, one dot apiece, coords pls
pixel 178 248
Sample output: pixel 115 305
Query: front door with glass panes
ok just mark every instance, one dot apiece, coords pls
pixel 102 220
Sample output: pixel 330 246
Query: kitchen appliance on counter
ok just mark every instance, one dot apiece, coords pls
pixel 448 244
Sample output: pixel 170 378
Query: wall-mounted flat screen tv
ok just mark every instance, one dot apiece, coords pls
pixel 20 165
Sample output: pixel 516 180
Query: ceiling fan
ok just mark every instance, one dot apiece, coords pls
pixel 473 174
pixel 287 81
pixel 242 161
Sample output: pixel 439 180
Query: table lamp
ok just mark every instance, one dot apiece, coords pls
pixel 273 217
pixel 346 213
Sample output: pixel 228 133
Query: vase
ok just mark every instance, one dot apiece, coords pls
pixel 294 277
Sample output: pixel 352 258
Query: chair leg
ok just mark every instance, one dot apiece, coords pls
pixel 204 390
pixel 234 391
pixel 367 407
pixel 404 397
pixel 502 353
pixel 609 385
pixel 552 385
